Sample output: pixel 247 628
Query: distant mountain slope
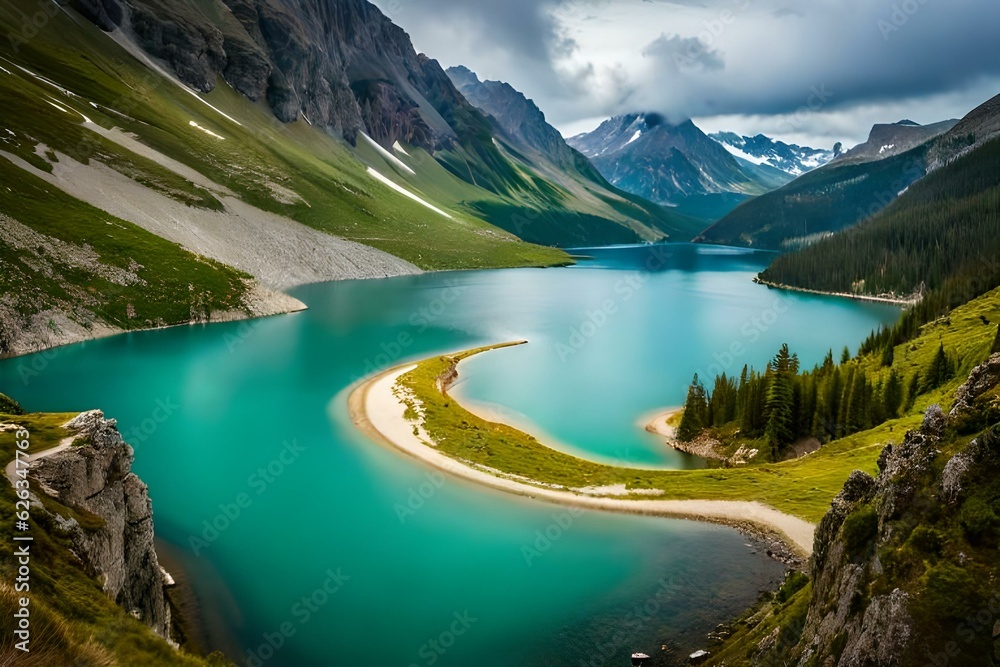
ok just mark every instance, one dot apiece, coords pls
pixel 342 66
pixel 647 156
pixel 886 140
pixel 789 158
pixel 943 234
pixel 522 122
pixel 529 139
pixel 851 188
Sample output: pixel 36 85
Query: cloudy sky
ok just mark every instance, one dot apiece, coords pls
pixel 811 72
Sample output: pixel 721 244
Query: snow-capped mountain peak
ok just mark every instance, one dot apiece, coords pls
pixel 762 150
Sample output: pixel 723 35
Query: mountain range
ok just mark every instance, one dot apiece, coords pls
pixel 789 158
pixel 525 136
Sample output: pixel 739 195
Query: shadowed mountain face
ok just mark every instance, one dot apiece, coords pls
pixel 648 156
pixel 519 119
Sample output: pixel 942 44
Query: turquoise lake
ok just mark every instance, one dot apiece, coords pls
pixel 346 553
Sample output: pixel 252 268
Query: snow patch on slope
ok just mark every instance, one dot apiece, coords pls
pixel 387 155
pixel 206 130
pixel 406 193
pixel 123 41
pixel 745 156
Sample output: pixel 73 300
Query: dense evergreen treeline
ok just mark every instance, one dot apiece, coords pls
pixel 783 405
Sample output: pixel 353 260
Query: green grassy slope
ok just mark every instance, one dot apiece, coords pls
pixel 168 285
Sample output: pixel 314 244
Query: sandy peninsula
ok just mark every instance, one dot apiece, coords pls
pixel 377 410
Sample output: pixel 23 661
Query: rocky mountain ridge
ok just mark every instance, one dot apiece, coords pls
pixel 340 65
pixel 519 118
pixel 649 156
pixel 889 139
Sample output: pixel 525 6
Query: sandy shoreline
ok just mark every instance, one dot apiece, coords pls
pixel 379 414
pixel 906 303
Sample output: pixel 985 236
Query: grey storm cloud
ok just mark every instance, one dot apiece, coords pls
pixel 521 34
pixel 582 59
pixel 684 53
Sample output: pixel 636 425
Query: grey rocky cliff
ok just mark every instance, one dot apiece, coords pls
pixel 97 477
pixel 341 64
pixel 843 568
pixel 981 379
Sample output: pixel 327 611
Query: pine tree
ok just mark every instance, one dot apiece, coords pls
pixel 856 414
pixel 695 417
pixel 893 395
pixel 912 391
pixel 780 405
pixel 722 405
pixel 845 356
pixel 876 404
pixel 940 370
pixel 844 415
pixel 888 355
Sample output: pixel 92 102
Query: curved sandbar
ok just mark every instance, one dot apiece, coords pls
pixel 386 410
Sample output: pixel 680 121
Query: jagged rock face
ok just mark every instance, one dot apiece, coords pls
pixel 97 477
pixel 857 490
pixel 886 140
pixel 983 451
pixel 390 116
pixel 339 63
pixel 842 576
pixel 982 379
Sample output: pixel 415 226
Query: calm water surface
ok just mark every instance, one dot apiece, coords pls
pixel 344 553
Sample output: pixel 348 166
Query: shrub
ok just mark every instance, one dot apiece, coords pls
pixel 980 521
pixel 860 528
pixel 927 540
pixel 8 406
